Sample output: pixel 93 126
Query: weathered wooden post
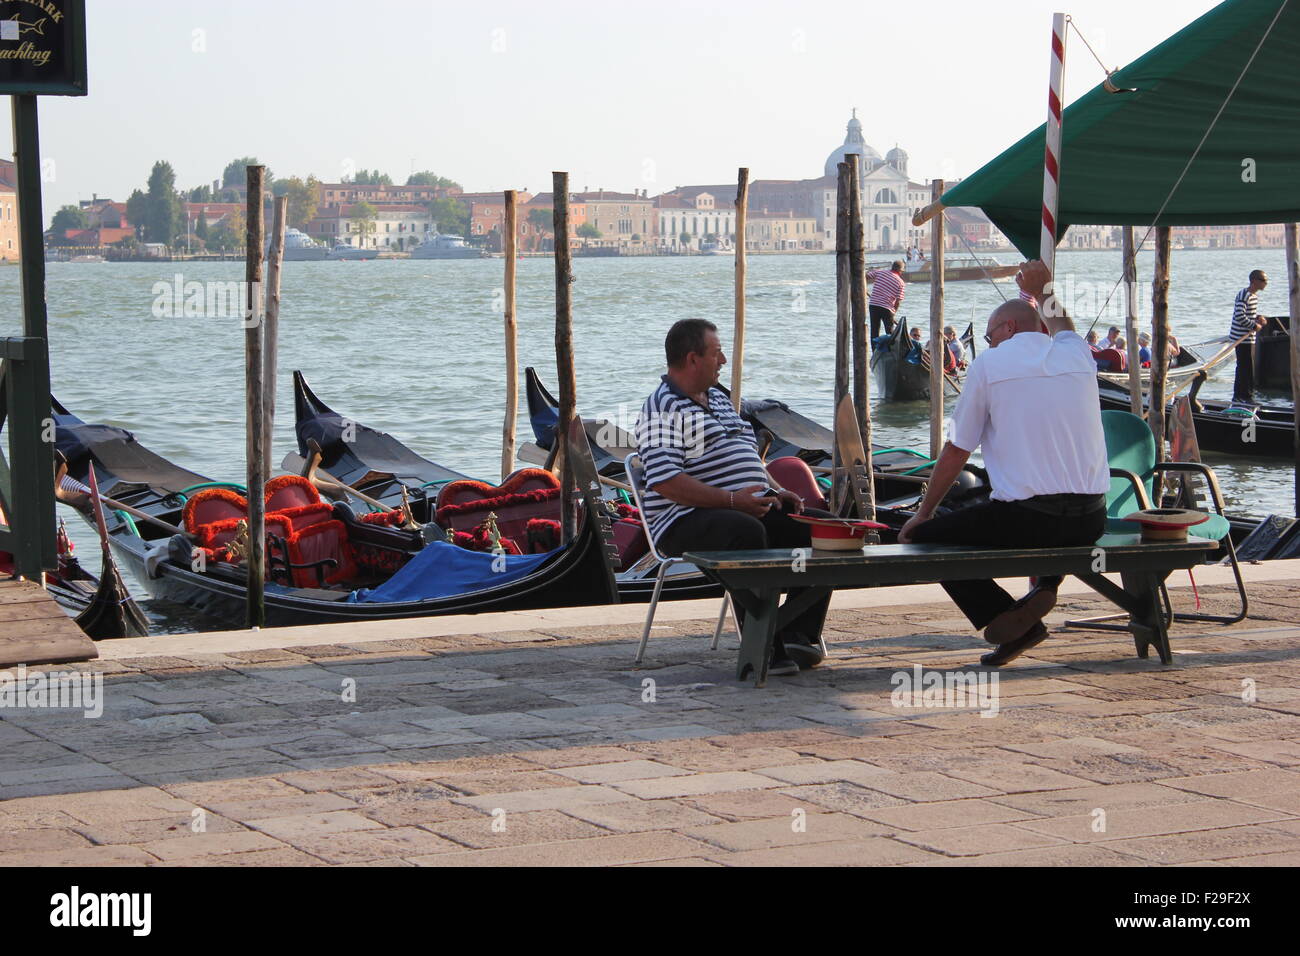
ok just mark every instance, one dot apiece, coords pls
pixel 936 323
pixel 1130 321
pixel 564 346
pixel 512 361
pixel 1293 300
pixel 860 333
pixel 270 356
pixel 1159 343
pixel 254 422
pixel 843 320
pixel 738 339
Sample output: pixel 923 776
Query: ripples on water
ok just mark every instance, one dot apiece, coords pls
pixel 415 348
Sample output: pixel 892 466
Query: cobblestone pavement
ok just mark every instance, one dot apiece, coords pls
pixel 550 748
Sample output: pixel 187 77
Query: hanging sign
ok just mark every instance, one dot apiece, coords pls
pixel 43 47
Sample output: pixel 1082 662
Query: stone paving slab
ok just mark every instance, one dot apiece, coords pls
pixel 541 744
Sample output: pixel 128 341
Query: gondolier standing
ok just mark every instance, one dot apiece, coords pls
pixel 887 292
pixel 1245 323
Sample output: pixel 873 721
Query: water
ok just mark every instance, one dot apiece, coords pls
pixel 415 347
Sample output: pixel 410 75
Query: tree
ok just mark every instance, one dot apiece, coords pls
pixel 201 194
pixel 230 232
pixel 302 200
pixel 137 205
pixel 363 220
pixel 68 217
pixel 685 238
pixel 369 177
pixel 542 220
pixel 428 178
pixel 236 175
pixel 587 231
pixel 163 212
pixel 450 215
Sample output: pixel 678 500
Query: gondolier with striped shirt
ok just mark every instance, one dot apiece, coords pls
pixel 706 488
pixel 887 291
pixel 1245 323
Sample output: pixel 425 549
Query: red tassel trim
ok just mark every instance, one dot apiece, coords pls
pixel 281 482
pixel 232 498
pixel 447 512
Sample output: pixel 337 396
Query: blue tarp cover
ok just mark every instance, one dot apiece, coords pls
pixel 444 570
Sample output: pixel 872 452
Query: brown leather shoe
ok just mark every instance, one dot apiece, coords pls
pixel 1008 652
pixel 1021 616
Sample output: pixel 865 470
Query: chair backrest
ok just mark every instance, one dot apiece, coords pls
pixel 636 478
pixel 1130 446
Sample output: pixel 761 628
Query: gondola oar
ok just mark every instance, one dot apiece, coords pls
pixel 111 612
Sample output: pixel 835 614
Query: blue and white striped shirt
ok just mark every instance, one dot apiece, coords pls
pixel 1243 315
pixel 676 435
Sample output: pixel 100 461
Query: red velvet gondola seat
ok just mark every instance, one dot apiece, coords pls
pixel 793 474
pixel 212 516
pixel 528 494
pixel 313 534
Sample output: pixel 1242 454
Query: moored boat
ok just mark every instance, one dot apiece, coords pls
pixel 902 370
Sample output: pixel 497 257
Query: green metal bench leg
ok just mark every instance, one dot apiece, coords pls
pixel 1241 592
pixel 758 634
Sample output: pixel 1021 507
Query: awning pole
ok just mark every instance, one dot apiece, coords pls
pixel 1130 322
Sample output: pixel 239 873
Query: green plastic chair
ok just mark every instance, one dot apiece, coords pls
pixel 1131 453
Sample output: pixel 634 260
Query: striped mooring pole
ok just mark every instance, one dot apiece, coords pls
pixel 1052 153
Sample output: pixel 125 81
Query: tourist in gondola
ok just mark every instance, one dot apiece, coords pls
pixel 706 488
pixel 1030 401
pixel 1245 323
pixel 955 347
pixel 887 291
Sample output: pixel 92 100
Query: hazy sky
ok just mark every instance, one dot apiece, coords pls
pixel 623 95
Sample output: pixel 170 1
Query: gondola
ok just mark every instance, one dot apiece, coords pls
pixel 380 466
pixel 165 562
pixel 1268 432
pixel 1187 365
pixel 902 372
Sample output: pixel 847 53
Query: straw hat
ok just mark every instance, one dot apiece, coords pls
pixel 837 534
pixel 1166 524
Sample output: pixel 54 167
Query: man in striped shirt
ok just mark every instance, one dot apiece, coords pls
pixel 1245 322
pixel 887 290
pixel 706 488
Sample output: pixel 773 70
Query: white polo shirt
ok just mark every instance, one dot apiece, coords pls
pixel 1032 404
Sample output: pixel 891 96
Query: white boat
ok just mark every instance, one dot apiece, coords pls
pixel 88 258
pixel 717 247
pixel 441 245
pixel 345 250
pixel 299 247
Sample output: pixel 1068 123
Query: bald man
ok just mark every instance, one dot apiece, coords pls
pixel 1030 401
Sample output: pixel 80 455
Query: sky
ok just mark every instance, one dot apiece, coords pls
pixel 497 94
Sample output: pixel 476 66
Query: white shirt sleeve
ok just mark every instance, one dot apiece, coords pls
pixel 972 411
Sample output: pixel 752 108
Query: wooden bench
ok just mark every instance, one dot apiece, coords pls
pixel 756 580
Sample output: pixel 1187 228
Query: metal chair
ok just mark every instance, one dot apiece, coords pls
pixel 636 478
pixel 1134 471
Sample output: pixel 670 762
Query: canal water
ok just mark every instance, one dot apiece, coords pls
pixel 414 347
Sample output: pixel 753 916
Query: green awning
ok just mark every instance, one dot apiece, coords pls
pixel 1123 152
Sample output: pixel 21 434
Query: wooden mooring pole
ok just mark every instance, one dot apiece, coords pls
pixel 271 340
pixel 738 339
pixel 254 422
pixel 512 360
pixel 843 321
pixel 1293 300
pixel 859 334
pixel 564 347
pixel 1159 343
pixel 1130 321
pixel 936 323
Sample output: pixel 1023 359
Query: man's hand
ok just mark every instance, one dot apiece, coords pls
pixel 1032 277
pixel 751 501
pixel 790 502
pixel 914 522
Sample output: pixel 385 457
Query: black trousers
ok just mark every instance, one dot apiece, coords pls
pixel 1243 387
pixel 880 315
pixel 723 529
pixel 1004 524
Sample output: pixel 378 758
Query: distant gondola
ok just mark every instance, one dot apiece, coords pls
pixel 1267 432
pixel 577 574
pixel 901 371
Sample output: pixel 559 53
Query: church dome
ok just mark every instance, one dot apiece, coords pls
pixel 897 157
pixel 853 143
